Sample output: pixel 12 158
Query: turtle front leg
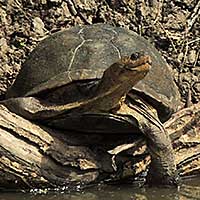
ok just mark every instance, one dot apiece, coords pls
pixel 162 168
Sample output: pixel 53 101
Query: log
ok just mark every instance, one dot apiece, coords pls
pixel 34 156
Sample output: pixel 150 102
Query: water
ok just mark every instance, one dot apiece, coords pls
pixel 189 190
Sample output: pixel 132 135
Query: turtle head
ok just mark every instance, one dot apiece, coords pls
pixel 129 70
pixel 120 78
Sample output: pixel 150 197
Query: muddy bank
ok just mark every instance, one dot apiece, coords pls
pixel 173 27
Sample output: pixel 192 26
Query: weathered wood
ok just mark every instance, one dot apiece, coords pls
pixel 35 156
pixel 32 156
pixel 184 130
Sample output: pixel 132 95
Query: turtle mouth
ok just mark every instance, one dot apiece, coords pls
pixel 143 63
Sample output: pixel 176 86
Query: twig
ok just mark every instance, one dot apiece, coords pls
pixel 166 32
pixel 182 121
pixel 159 12
pixel 196 59
pixel 74 9
pixel 185 54
pixel 193 41
pixel 192 18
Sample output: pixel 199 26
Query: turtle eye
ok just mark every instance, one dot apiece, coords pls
pixel 137 55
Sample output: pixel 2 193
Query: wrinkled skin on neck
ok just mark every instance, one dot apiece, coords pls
pixel 118 80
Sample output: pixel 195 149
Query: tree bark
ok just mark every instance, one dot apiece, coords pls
pixel 34 156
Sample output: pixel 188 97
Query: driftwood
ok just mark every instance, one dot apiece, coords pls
pixel 34 156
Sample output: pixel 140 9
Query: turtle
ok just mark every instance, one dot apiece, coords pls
pixel 103 79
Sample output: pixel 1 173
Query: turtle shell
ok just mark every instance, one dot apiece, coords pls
pixel 83 53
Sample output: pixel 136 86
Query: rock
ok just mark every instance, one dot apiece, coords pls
pixel 188 77
pixel 55 1
pixel 38 26
pixel 191 56
pixel 65 9
pixel 180 57
pixel 197 87
pixel 3 45
pixel 3 16
pixel 43 2
pixel 196 71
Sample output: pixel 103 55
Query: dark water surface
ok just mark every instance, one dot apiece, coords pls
pixel 188 190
